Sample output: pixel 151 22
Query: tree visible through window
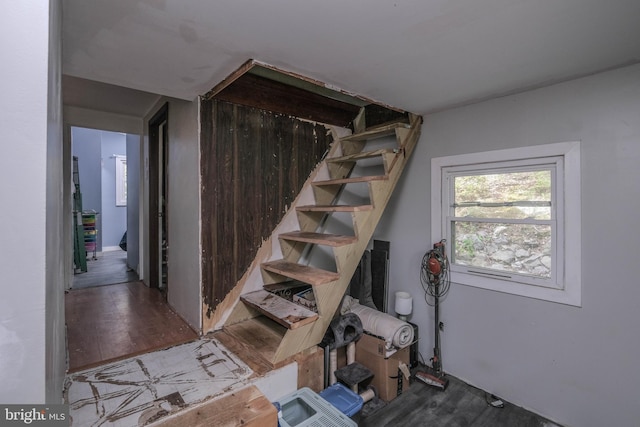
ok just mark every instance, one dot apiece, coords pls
pixel 503 221
pixel 505 215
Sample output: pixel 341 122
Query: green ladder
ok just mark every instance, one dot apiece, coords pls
pixel 79 251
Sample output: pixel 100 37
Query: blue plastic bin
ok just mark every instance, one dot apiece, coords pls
pixel 305 408
pixel 340 396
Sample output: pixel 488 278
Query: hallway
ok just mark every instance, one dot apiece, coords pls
pixel 108 323
pixel 107 268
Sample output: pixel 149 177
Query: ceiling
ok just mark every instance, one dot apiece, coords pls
pixel 418 55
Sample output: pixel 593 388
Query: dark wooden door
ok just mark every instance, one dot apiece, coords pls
pixel 158 199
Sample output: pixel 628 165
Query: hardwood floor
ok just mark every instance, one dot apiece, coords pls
pixel 107 323
pixel 109 268
pixel 459 405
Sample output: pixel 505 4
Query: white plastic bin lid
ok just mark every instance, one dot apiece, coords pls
pixel 305 407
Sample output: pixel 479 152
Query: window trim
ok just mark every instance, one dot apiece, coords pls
pixel 555 166
pixel 571 288
pixel 121 180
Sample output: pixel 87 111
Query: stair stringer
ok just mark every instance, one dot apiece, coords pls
pixel 329 295
pixel 230 310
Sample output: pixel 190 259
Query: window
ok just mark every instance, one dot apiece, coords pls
pixel 121 180
pixel 511 219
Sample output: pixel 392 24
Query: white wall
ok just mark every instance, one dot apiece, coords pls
pixel 577 366
pixel 114 218
pixel 184 287
pixel 31 313
pixel 55 344
pixel 184 212
pixel 103 120
pixel 133 201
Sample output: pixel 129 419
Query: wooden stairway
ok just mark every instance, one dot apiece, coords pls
pixel 277 328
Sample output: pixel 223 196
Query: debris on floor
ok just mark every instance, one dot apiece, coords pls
pixel 142 389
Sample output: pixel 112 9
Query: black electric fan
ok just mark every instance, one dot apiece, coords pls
pixel 434 276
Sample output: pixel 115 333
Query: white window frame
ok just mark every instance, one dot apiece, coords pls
pixel 552 164
pixel 566 285
pixel 121 180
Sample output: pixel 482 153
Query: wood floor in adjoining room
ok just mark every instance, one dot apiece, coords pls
pixel 106 268
pixel 113 322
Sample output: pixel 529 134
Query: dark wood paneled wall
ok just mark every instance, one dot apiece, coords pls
pixel 260 92
pixel 253 165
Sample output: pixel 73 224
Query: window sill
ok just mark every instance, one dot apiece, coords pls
pixel 567 296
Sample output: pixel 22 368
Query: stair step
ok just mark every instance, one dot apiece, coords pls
pixel 378 132
pixel 363 155
pixel 286 286
pixel 255 340
pixel 334 208
pixel 304 273
pixel 351 180
pixel 286 313
pixel 319 238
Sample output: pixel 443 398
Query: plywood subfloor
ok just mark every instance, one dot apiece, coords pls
pixel 141 389
pixel 247 407
pixel 112 322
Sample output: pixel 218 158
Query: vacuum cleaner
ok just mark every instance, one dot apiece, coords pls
pixel 434 277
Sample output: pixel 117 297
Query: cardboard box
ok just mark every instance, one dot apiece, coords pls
pixel 387 379
pixel 374 345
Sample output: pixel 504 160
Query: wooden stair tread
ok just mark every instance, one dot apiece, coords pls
pixel 351 180
pixel 289 285
pixel 254 340
pixel 334 208
pixel 247 407
pixel 378 132
pixel 304 273
pixel 318 238
pixel 286 313
pixel 363 155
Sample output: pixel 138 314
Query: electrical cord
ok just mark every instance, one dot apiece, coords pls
pixel 421 361
pixel 435 284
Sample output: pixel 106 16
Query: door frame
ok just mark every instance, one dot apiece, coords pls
pixel 159 118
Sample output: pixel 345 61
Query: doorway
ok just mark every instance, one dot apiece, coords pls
pixel 102 210
pixel 159 200
pixel 108 323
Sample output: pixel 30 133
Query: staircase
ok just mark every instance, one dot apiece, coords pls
pixel 276 328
